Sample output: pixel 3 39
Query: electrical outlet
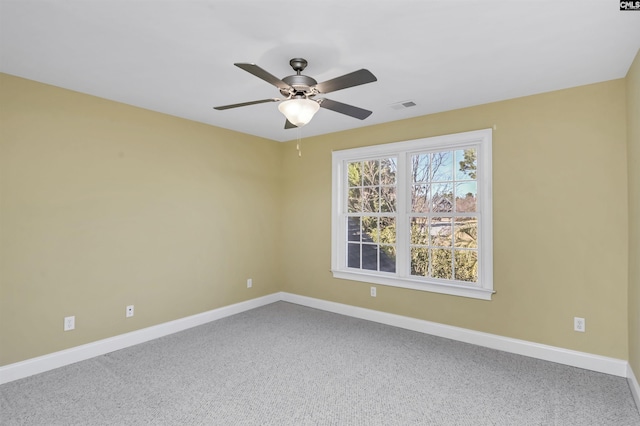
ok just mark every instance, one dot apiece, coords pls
pixel 579 324
pixel 373 292
pixel 249 283
pixel 129 311
pixel 69 323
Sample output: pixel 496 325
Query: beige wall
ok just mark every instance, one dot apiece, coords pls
pixel 105 205
pixel 560 220
pixel 633 161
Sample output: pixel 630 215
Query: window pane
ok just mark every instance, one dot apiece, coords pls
pixel 354 171
pixel 388 170
pixel 466 232
pixel 442 166
pixel 353 229
pixel 420 168
pixel 370 257
pixel 388 199
pixel 419 230
pixel 387 228
pixel 466 265
pixel 466 164
pixel 442 197
pixel 419 198
pixel 354 204
pixel 419 261
pixel 371 199
pixel 371 173
pixel 441 232
pixel 353 255
pixel 387 258
pixel 370 232
pixel 441 263
pixel 466 196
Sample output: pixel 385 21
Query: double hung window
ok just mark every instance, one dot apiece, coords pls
pixel 416 214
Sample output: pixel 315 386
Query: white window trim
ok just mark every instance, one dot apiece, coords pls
pixel 482 139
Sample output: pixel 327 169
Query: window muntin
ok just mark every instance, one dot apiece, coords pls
pixel 416 214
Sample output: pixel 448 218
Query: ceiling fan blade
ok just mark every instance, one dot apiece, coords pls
pixel 355 78
pixel 346 109
pixel 289 125
pixel 261 101
pixel 260 73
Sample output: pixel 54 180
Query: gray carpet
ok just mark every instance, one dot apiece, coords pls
pixel 285 364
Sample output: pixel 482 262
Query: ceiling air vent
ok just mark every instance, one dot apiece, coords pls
pixel 403 105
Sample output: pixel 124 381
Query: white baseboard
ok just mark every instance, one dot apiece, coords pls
pixel 54 360
pixel 635 387
pixel 584 360
pixel 613 366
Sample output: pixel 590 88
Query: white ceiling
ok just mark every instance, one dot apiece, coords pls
pixel 177 56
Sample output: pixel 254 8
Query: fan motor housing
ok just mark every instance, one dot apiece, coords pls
pixel 301 83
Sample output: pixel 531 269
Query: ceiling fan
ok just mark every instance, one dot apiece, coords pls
pixel 299 91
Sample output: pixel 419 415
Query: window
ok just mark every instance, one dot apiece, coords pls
pixel 416 214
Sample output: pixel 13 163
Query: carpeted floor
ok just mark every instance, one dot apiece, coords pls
pixel 285 364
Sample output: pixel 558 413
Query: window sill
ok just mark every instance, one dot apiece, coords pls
pixel 450 289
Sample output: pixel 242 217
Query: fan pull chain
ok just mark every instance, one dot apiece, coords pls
pixel 299 144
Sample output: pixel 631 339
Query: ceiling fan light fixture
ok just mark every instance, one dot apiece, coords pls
pixel 299 111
